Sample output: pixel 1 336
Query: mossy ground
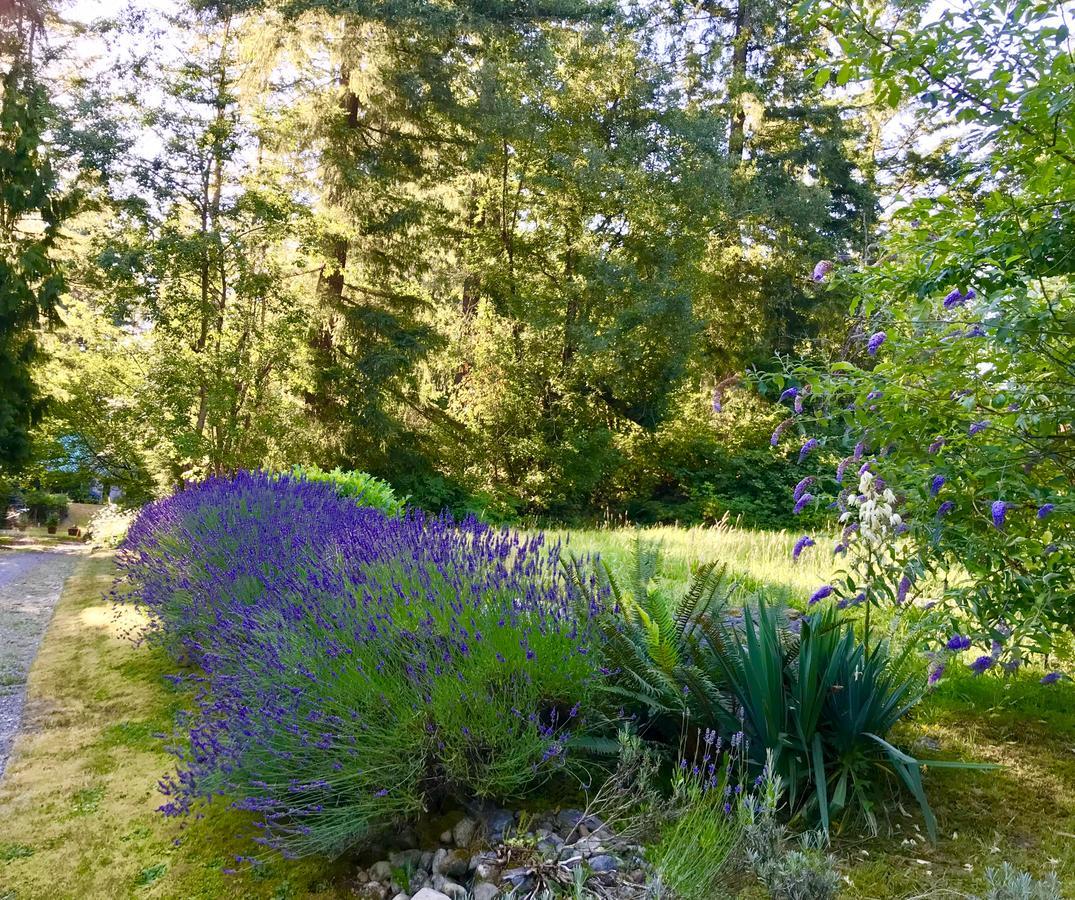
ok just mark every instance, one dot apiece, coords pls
pixel 78 805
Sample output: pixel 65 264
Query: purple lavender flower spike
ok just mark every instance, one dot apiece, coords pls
pixel 820 594
pixel 875 342
pixel 1045 509
pixel 801 544
pixel 957 642
pixel 936 484
pixel 807 448
pixel 998 511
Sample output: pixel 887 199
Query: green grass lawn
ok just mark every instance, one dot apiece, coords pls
pixel 77 807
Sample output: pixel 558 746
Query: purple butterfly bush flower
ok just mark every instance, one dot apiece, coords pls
pixel 841 468
pixel 788 394
pixel 860 448
pixel 998 512
pixel 874 395
pixel 804 501
pixel 807 448
pixel 982 664
pixel 821 593
pixel 801 487
pixel 1045 509
pixel 976 427
pixel 823 267
pixel 798 405
pixel 801 544
pixel 875 342
pixel 779 431
pixel 957 642
pixel 935 447
pixel 857 600
pixel 954 298
pixel 936 484
pixel 1052 677
pixel 936 673
pixel 945 508
pixel 902 589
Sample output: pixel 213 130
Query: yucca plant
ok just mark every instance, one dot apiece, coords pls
pixel 651 638
pixel 821 706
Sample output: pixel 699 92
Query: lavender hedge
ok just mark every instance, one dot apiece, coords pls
pixel 354 668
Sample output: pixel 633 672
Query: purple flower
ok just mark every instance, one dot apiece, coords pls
pixel 902 589
pixel 854 601
pixel 975 331
pixel 1052 678
pixel 820 594
pixel 875 342
pixel 981 664
pixel 823 267
pixel 798 405
pixel 935 447
pixel 936 484
pixel 998 512
pixel 802 503
pixel 841 468
pixel 801 487
pixel 860 448
pixel 807 448
pixel 945 508
pixel 801 544
pixel 954 298
pixel 936 672
pixel 839 549
pixel 874 395
pixel 788 394
pixel 775 439
pixel 976 427
pixel 957 642
pixel 1045 509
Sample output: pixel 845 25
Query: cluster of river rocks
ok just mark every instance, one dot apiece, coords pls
pixel 500 853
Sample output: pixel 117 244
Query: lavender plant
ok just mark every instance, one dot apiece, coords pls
pixel 355 668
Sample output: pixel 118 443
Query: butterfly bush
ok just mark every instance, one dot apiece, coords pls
pixel 965 458
pixel 352 668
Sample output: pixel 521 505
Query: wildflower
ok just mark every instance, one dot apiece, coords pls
pixel 936 672
pixel 801 487
pixel 981 664
pixel 802 503
pixel 780 429
pixel 839 550
pixel 1045 509
pixel 788 394
pixel 820 594
pixel 823 267
pixel 957 642
pixel 976 427
pixel 945 508
pixel 903 588
pixel 874 395
pixel 841 468
pixel 1052 678
pixel 801 544
pixel 936 484
pixel 975 331
pixel 998 511
pixel 954 298
pixel 807 448
pixel 875 342
pixel 935 447
pixel 798 403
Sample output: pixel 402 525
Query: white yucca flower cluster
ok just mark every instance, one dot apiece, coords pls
pixel 878 520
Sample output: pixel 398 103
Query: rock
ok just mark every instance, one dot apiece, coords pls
pixel 453 890
pixel 520 878
pixel 426 862
pixel 567 819
pixel 446 837
pixel 405 859
pixel 604 863
pixel 499 824
pixel 361 875
pixel 464 831
pixel 550 845
pixel 483 890
pixel 926 742
pixel 452 863
pixel 381 871
pixel 430 894
pixel 371 890
pixel 402 896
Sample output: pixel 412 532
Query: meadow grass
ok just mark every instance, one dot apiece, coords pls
pixel 78 805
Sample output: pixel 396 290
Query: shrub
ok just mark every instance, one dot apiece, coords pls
pixel 108 526
pixel 42 506
pixel 359 486
pixel 1008 883
pixel 356 668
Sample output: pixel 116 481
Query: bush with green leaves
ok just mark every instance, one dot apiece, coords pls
pixel 42 506
pixel 364 489
pixel 1008 883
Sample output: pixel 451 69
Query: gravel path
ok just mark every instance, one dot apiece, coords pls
pixel 30 585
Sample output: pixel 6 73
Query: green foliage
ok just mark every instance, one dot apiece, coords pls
pixel 43 506
pixel 1008 883
pixel 364 489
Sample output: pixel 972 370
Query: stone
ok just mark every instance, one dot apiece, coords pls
pixel 371 890
pixel 361 875
pixel 520 878
pixel 550 845
pixel 604 863
pixel 446 837
pixel 430 894
pixel 464 831
pixel 402 896
pixel 405 859
pixel 487 871
pixel 381 871
pixel 426 862
pixel 499 824
pixel 453 890
pixel 452 863
pixel 483 890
